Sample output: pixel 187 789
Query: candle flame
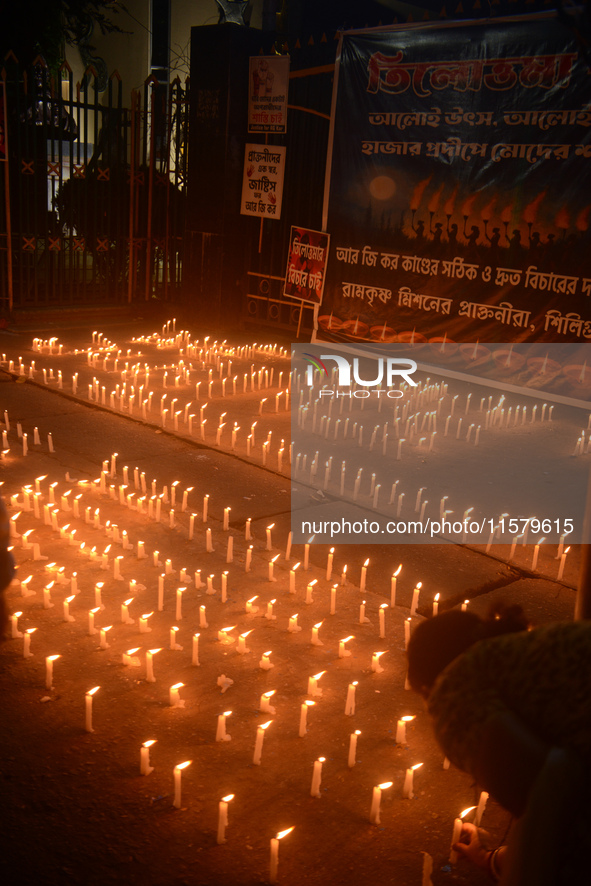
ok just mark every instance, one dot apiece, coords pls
pixel 227 798
pixel 245 634
pixel 377 654
pixel 466 811
pixel 223 630
pixel 269 693
pixel 417 766
pixel 407 719
pixel 177 685
pixel 225 714
pixel 321 759
pixel 53 657
pixel 350 637
pixel 154 651
pixel 265 725
pixel 131 651
pixel 183 765
pixel 419 585
pixel 319 625
pixel 127 602
pixel 565 552
pixel 318 676
pixel 270 527
pixel 386 784
pixel 283 834
pixel 436 597
pixel 147 614
pixel 275 558
pixel 92 691
pixel 30 630
pixel 295 566
pixel 149 743
pixel 384 606
pixel 366 562
pixel 309 703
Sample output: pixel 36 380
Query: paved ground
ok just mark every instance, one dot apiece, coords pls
pixel 77 797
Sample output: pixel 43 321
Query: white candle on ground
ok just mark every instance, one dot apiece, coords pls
pixel 304 717
pixel 150 665
pixel 258 747
pixel 221 734
pixel 350 702
pixel 407 788
pixel 363 575
pixel 382 620
pixel 401 729
pixel 274 861
pixel 145 767
pixel 223 818
pixel 436 604
pixel 27 643
pixel 374 814
pixel 264 702
pixel 375 663
pixel 242 648
pixel 265 663
pixel 88 708
pixel 317 777
pixel 177 782
pixel 393 586
pixel 415 598
pixel 353 748
pixel 313 684
pixel 49 660
pixel 344 653
pixel 195 650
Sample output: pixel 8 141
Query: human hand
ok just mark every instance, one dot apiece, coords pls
pixel 470 846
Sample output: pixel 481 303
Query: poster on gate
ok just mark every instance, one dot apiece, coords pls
pixel 458 199
pixel 267 93
pixel 306 265
pixel 262 182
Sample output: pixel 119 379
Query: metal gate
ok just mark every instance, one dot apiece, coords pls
pixel 93 189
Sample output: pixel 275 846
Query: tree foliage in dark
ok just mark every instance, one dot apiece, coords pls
pixel 44 27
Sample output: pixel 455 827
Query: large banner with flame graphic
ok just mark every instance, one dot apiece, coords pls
pixel 460 187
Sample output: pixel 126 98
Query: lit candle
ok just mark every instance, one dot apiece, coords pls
pixel 329 564
pixel 125 612
pixel 344 653
pixel 150 665
pixel 144 627
pixel 223 818
pixel 248 559
pixel 47 604
pixel 350 702
pixel 264 702
pixel 27 642
pixel 202 618
pixel 145 767
pixel 15 633
pixel 88 708
pixel 269 612
pixel 382 619
pixel 271 565
pixel 306 557
pixel 407 788
pixel 436 604
pixel 317 777
pixel 265 662
pixel 363 575
pixel 221 734
pixel 406 632
pixel 562 562
pixel 258 747
pixel 401 729
pixel 179 603
pixel 250 607
pixel 309 599
pixel 195 650
pixel 415 598
pixel 269 542
pixel 376 799
pixel 91 628
pixel 173 643
pixel 128 657
pixel 242 648
pixel 103 638
pixel 205 504
pixel 223 636
pixel 49 660
pixel 344 576
pixel 362 617
pixel 293 626
pixel 375 663
pixel 177 782
pixel 456 834
pixel 313 684
pixel 288 546
pixel 304 717
pixel 315 640
pixel 353 748
pixel 292 572
pixel 274 862
pixel 536 555
pixel 226 520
